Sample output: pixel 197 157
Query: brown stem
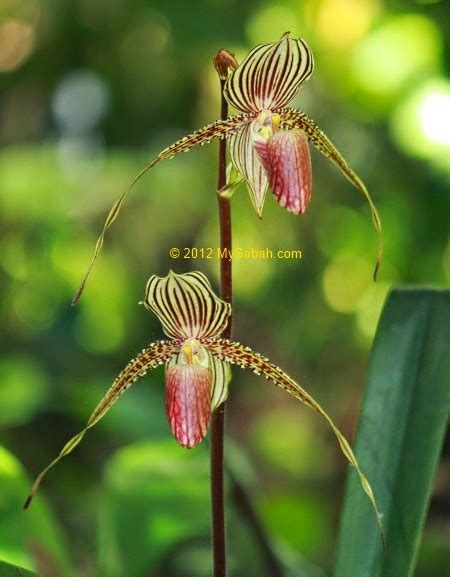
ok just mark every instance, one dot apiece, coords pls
pixel 218 417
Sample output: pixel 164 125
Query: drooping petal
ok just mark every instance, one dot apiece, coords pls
pixel 218 129
pixel 287 162
pixel 292 119
pixel 270 75
pixel 220 379
pixel 247 162
pixel 244 357
pixel 154 355
pixel 188 403
pixel 186 305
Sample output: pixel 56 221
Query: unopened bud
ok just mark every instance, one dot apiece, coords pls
pixel 224 61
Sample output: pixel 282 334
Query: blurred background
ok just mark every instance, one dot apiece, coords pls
pixel 89 92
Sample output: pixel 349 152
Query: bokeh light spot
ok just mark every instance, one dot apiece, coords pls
pixel 17 42
pixel 99 333
pixel 344 282
pixel 299 438
pixel 369 309
pixel 434 115
pixel 341 23
pixel 269 23
pixel 298 520
pixel 36 306
pixel 9 466
pixel 80 102
pixel 421 124
pixel 24 389
pixel 395 54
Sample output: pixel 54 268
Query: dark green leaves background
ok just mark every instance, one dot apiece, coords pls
pixel 89 91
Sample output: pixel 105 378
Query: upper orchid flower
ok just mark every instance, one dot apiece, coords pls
pixel 268 142
pixel 197 365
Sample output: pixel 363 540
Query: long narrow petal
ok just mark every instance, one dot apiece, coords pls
pixel 154 355
pixel 218 129
pixel 247 162
pixel 291 118
pixel 186 305
pixel 188 402
pixel 270 75
pixel 287 162
pixel 244 357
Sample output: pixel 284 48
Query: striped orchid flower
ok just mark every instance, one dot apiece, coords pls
pixel 268 142
pixel 197 366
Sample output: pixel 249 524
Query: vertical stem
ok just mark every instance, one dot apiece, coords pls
pixel 218 417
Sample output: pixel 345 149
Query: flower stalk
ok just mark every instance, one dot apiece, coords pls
pixel 222 62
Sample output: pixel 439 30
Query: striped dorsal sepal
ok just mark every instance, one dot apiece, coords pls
pixel 270 75
pixel 186 305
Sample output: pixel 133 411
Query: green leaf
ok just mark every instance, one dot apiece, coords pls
pixel 400 434
pixel 7 570
pixel 31 537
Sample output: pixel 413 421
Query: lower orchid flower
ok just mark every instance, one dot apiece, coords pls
pixel 269 142
pixel 197 366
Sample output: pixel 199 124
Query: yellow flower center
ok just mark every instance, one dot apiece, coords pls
pixel 267 123
pixel 192 353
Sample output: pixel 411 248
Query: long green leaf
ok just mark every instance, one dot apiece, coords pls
pixel 7 570
pixel 400 433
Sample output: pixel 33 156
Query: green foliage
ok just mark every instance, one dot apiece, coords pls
pixel 31 538
pixel 400 434
pixel 7 570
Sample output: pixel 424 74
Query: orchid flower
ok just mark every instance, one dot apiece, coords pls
pixel 268 142
pixel 197 366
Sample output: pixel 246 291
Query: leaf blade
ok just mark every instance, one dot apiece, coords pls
pixel 8 570
pixel 400 433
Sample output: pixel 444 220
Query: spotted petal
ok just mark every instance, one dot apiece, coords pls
pixel 270 75
pixel 186 305
pixel 246 161
pixel 244 357
pixel 293 119
pixel 154 355
pixel 218 129
pixel 287 162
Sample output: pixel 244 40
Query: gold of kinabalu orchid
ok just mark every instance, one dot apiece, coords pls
pixel 268 141
pixel 197 365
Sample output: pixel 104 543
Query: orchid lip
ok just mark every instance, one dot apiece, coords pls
pixel 188 402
